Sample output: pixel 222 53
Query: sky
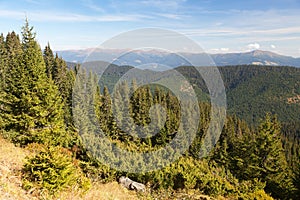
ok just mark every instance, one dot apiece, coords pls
pixel 218 26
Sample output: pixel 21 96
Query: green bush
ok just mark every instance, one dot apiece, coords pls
pixel 53 169
pixel 189 174
pixel 98 172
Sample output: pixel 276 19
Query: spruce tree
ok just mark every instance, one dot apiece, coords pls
pixel 104 113
pixel 3 67
pixel 296 180
pixel 64 79
pixel 12 54
pixel 261 156
pixel 3 60
pixel 49 60
pixel 272 162
pixel 31 102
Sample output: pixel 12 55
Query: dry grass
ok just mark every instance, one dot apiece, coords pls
pixel 109 191
pixel 12 159
pixel 11 162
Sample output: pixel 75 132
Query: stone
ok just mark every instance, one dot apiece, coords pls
pixel 131 185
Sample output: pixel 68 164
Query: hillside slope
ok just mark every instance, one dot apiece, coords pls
pixel 254 90
pixel 11 161
pixel 251 90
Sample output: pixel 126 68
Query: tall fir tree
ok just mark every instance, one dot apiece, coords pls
pixel 3 60
pixel 261 156
pixel 49 60
pixel 3 67
pixel 32 108
pixel 64 79
pixel 272 161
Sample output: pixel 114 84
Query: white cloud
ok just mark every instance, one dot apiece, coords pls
pixel 273 46
pixel 12 14
pixel 219 50
pixel 69 17
pixel 90 4
pixel 163 4
pixel 224 49
pixel 253 46
pixel 170 16
pixel 229 31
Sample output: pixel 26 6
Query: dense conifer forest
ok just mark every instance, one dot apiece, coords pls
pixel 256 157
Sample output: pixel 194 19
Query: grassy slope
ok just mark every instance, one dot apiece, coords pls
pixel 11 161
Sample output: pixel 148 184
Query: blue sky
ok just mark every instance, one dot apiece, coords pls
pixel 218 26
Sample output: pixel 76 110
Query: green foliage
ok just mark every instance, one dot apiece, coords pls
pixel 258 155
pixel 31 104
pixel 291 143
pixel 56 70
pixel 97 171
pixel 296 180
pixel 253 90
pixel 36 108
pixel 190 174
pixel 53 169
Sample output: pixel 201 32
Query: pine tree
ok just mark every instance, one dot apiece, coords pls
pixel 83 103
pixel 104 113
pixel 261 156
pixel 12 54
pixel 31 103
pixel 56 69
pixel 272 162
pixel 296 180
pixel 3 67
pixel 49 60
pixel 3 60
pixel 128 126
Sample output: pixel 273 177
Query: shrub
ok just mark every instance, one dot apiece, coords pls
pixel 53 169
pixel 189 174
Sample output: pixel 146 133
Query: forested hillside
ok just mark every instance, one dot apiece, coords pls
pixel 40 96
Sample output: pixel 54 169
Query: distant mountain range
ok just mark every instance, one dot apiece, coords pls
pixel 143 58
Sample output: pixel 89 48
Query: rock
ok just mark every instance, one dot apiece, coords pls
pixel 131 185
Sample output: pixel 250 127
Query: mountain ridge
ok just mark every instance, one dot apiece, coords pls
pixel 138 58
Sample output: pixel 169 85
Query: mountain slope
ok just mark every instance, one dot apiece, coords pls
pixel 251 90
pixel 256 58
pixel 267 90
pixel 254 90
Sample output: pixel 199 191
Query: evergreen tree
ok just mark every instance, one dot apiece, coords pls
pixel 56 69
pixel 128 126
pixel 81 100
pixel 3 67
pixel 3 60
pixel 272 162
pixel 104 113
pixel 297 180
pixel 261 156
pixel 32 106
pixel 49 60
pixel 12 54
